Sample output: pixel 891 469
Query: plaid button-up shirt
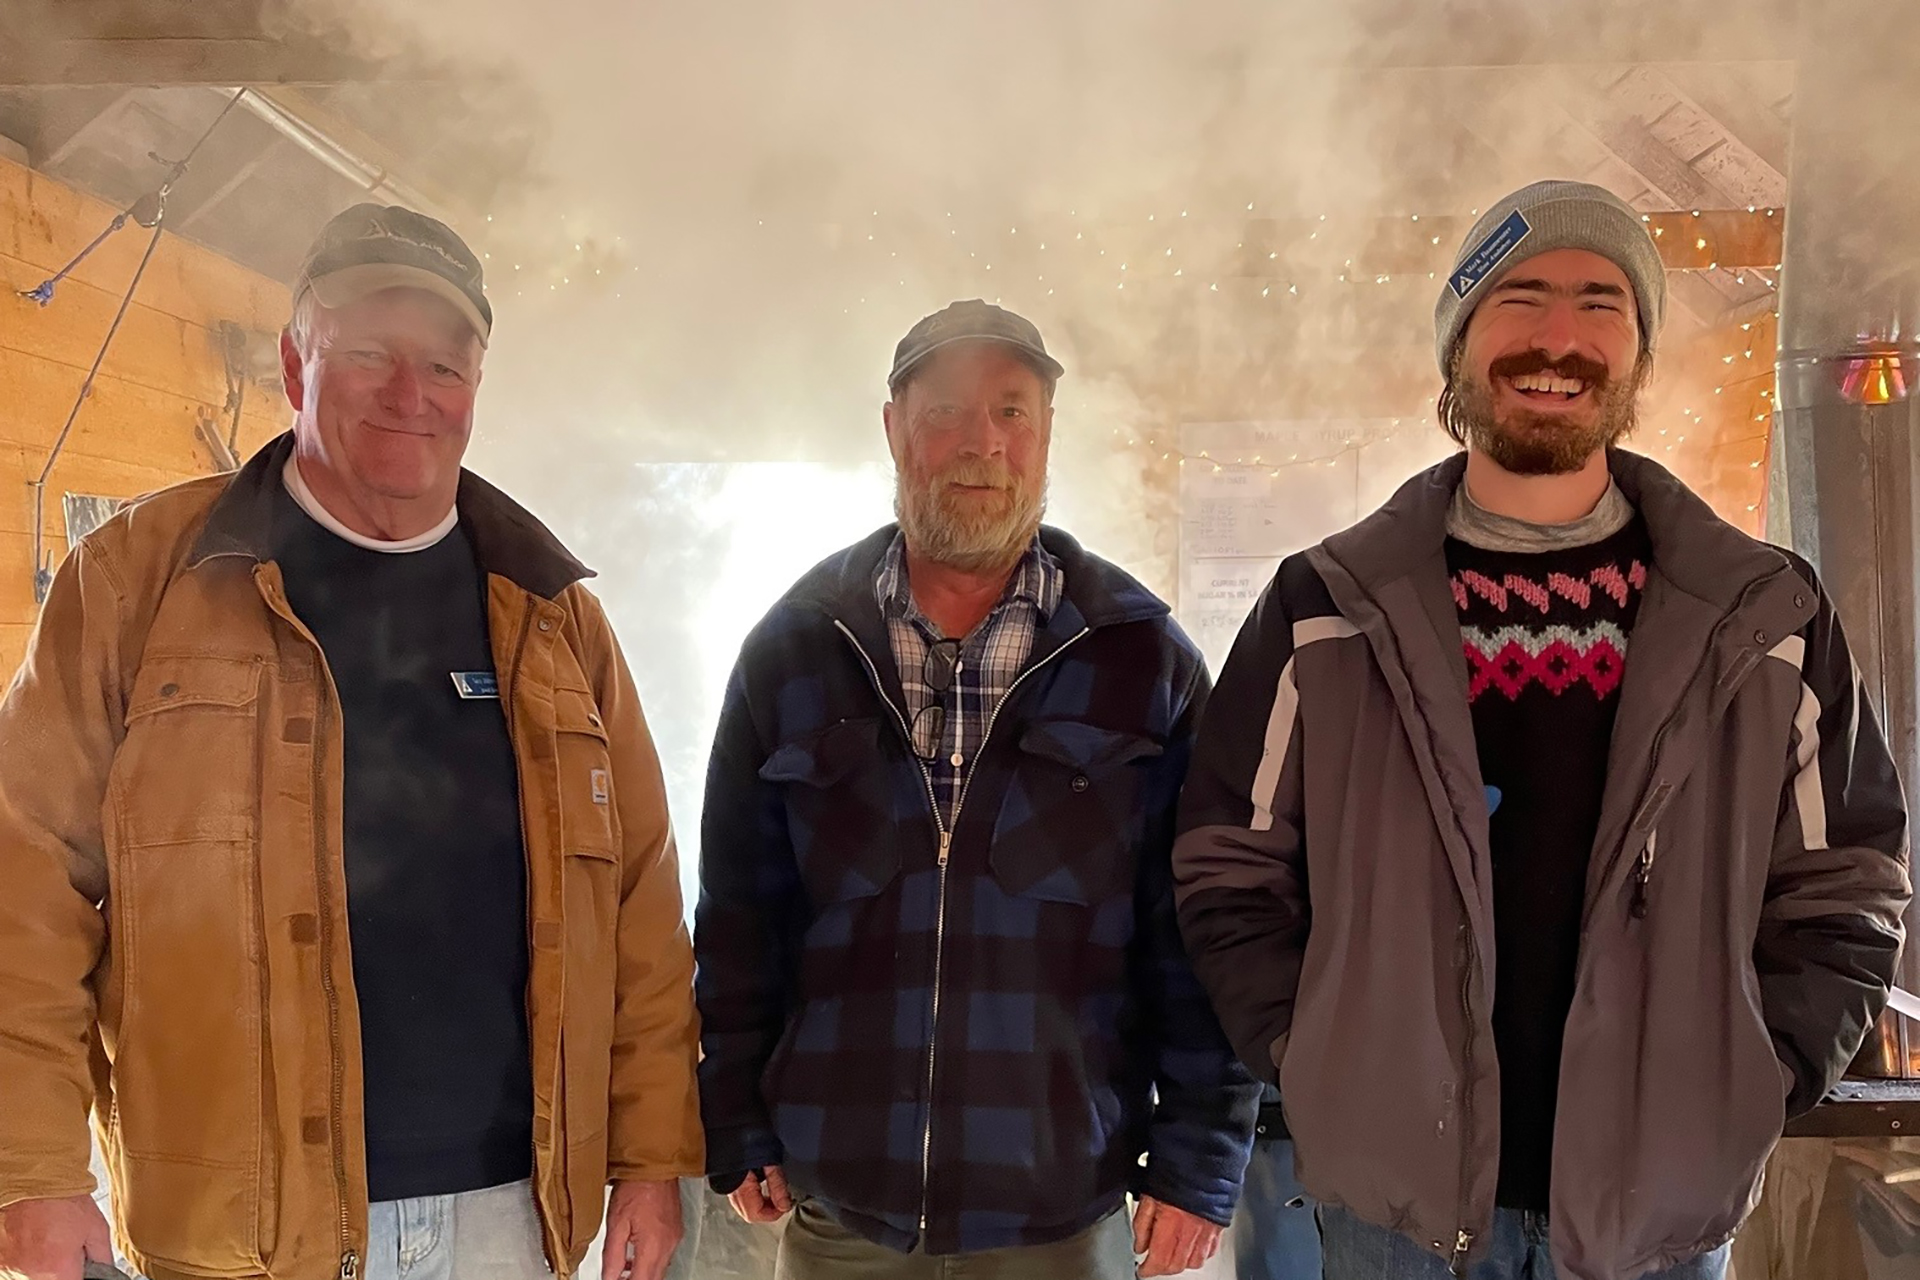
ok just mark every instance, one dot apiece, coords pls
pixel 991 657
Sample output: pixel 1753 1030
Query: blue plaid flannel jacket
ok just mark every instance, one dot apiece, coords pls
pixel 973 1055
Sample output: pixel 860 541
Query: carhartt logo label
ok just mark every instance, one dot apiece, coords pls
pixel 600 786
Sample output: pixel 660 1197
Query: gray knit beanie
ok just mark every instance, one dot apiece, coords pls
pixel 1538 219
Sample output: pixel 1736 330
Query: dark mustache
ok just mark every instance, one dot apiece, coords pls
pixel 1519 365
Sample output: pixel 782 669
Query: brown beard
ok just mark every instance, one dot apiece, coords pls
pixel 1526 443
pixel 972 537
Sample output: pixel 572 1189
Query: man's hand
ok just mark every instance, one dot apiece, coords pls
pixel 763 1196
pixel 643 1230
pixel 52 1239
pixel 1173 1239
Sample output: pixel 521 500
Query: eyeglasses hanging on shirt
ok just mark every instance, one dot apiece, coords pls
pixel 930 724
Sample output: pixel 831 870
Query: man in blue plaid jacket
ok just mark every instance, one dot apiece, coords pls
pixel 945 1003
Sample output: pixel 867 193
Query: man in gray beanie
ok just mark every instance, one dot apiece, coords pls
pixel 1540 841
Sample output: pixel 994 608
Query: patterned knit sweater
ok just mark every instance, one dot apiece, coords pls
pixel 1546 645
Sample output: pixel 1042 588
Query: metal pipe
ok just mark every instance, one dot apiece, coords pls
pixel 316 142
pixel 1850 300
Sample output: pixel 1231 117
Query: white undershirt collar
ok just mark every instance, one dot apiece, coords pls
pixel 297 486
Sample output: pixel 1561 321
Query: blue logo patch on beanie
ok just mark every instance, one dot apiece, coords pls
pixel 1490 253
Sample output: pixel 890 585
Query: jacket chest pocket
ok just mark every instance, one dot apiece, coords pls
pixel 1074 812
pixel 188 768
pixel 583 765
pixel 842 795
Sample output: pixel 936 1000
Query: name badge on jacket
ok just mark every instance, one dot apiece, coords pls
pixel 476 684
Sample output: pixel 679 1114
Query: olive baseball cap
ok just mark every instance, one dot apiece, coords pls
pixel 371 247
pixel 974 320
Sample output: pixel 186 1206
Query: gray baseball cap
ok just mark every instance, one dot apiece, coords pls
pixel 974 320
pixel 371 247
pixel 1535 220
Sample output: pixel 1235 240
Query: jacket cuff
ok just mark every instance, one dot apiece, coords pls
pixel 733 1153
pixel 671 1172
pixel 725 1184
pixel 1209 1203
pixel 12 1195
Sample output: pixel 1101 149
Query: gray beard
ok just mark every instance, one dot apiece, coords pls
pixel 971 544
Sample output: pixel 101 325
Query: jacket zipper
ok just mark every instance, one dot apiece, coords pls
pixel 526 853
pixel 1462 1245
pixel 1644 874
pixel 1463 1237
pixel 933 1030
pixel 946 845
pixel 1656 797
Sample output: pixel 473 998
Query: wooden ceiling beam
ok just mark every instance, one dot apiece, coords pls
pixel 174 61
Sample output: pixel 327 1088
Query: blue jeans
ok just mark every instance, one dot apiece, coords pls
pixel 1274 1235
pixel 492 1234
pixel 487 1235
pixel 1357 1250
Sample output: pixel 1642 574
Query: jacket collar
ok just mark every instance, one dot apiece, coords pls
pixel 507 539
pixel 1097 594
pixel 1697 551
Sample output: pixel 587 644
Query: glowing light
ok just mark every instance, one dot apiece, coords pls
pixel 1877 376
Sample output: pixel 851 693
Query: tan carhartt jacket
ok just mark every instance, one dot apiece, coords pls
pixel 173 928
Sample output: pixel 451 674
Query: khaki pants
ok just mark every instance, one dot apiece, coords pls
pixel 815 1247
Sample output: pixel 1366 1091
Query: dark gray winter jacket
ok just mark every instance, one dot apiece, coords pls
pixel 1334 885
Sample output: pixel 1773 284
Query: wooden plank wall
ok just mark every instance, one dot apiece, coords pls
pixel 136 432
pixel 1709 414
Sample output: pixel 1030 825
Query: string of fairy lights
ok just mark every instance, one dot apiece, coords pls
pixel 592 260
pixel 601 262
pixel 1665 438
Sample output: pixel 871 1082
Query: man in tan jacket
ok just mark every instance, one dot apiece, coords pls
pixel 338 879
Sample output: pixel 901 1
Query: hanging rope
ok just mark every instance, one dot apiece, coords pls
pixel 42 566
pixel 149 211
pixel 145 211
pixel 43 294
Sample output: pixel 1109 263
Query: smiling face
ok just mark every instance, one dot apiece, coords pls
pixel 969 431
pixel 1549 370
pixel 383 390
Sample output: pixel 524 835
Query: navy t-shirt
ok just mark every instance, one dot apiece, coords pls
pixel 435 862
